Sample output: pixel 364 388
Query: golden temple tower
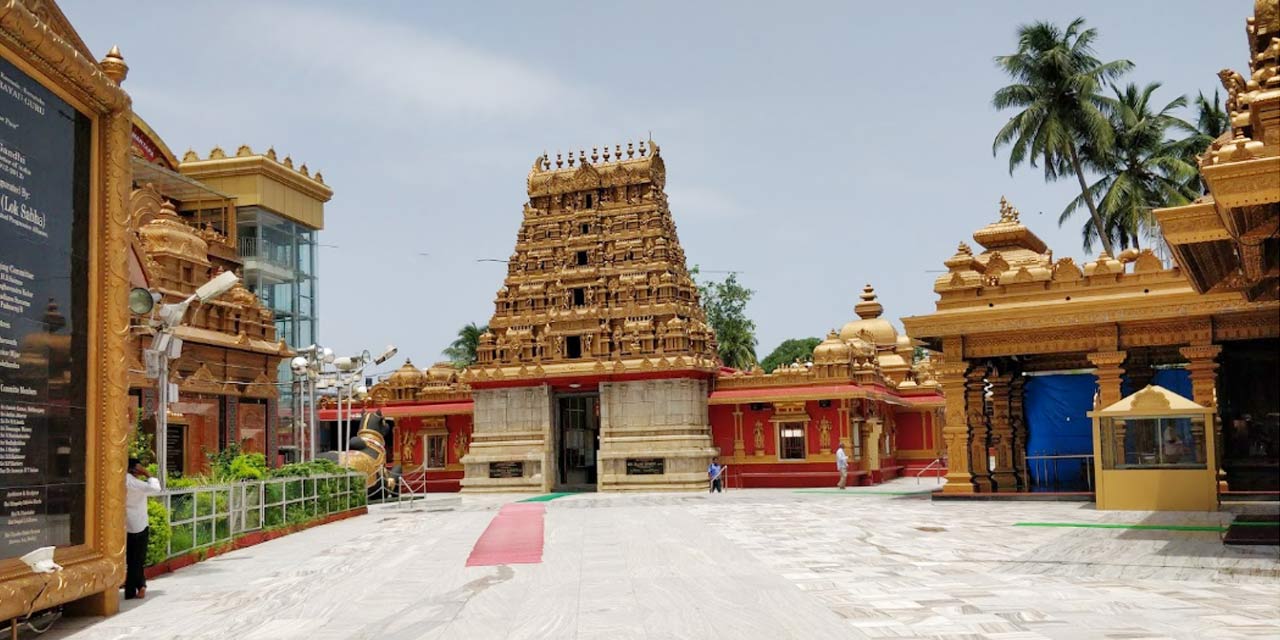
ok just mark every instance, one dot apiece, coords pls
pixel 596 366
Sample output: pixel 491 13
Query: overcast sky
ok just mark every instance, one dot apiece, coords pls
pixel 812 146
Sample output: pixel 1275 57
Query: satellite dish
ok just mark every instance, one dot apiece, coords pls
pixel 141 301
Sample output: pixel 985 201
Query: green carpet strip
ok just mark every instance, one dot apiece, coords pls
pixel 1144 527
pixel 547 497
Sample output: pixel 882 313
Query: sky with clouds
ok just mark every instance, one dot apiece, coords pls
pixel 812 146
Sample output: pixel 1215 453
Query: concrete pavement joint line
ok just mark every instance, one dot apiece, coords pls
pixel 1144 527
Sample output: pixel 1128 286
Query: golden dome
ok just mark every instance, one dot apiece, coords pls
pixel 168 234
pixel 407 376
pixel 442 373
pixel 833 350
pixel 877 329
pixel 241 296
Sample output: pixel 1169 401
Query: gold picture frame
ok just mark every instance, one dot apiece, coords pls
pixel 35 37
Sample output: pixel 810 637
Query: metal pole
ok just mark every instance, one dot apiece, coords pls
pixel 162 421
pixel 311 407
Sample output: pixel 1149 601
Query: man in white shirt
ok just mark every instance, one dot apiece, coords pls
pixel 135 519
pixel 842 464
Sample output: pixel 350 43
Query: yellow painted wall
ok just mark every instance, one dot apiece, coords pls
pixel 261 190
pixel 1157 490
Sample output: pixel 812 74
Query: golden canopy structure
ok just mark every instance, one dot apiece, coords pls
pixel 1229 239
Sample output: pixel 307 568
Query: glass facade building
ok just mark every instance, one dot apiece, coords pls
pixel 280 268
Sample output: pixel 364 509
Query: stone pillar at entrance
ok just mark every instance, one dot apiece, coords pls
pixel 1003 475
pixel 1110 366
pixel 1018 428
pixel 979 430
pixel 955 429
pixel 1203 366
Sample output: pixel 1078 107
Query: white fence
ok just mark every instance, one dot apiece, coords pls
pixel 207 515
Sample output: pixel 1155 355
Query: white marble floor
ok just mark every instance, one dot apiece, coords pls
pixel 744 564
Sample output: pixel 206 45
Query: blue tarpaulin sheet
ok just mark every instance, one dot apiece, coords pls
pixel 1057 421
pixel 1057 424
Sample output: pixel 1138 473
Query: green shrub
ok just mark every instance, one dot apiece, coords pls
pixel 307 469
pixel 158 541
pixel 249 466
pixel 182 538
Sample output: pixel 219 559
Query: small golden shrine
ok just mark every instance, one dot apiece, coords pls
pixel 1229 239
pixel 1153 452
pixel 597 304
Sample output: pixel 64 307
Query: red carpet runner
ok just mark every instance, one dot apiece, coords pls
pixel 514 536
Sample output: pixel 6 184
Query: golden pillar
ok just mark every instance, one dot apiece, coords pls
pixel 1110 367
pixel 1003 475
pixel 1202 363
pixel 1018 429
pixel 979 429
pixel 739 446
pixel 955 428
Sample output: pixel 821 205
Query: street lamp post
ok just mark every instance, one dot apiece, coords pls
pixel 166 346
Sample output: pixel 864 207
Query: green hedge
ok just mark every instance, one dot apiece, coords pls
pixel 160 532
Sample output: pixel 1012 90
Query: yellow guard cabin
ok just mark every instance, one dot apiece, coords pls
pixel 1152 454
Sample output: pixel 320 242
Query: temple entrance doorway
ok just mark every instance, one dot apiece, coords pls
pixel 577 441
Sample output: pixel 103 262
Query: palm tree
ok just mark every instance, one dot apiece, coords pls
pixel 1142 169
pixel 1211 122
pixel 736 347
pixel 462 352
pixel 1056 84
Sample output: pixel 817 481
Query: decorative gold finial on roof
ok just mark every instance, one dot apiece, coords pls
pixel 304 171
pixel 244 151
pixel 271 153
pixel 288 162
pixel 595 154
pixel 319 177
pixel 964 249
pixel 870 307
pixel 190 155
pixel 217 153
pixel 114 67
pixel 1007 212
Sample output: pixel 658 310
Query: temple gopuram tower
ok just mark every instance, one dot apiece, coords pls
pixel 595 370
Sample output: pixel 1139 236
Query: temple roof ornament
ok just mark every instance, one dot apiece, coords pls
pixel 870 325
pixel 113 65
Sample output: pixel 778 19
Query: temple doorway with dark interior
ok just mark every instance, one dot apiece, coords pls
pixel 577 441
pixel 1250 406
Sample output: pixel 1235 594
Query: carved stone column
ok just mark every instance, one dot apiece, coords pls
pixel 1110 366
pixel 979 430
pixel 739 446
pixel 955 428
pixel 1002 433
pixel 1018 428
pixel 1203 366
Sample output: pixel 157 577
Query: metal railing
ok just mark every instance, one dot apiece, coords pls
pixel 936 464
pixel 203 516
pixel 1046 471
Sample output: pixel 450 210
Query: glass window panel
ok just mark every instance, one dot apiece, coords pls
pixel 791 441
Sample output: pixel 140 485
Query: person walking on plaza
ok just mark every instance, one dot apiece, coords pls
pixel 138 485
pixel 714 472
pixel 842 464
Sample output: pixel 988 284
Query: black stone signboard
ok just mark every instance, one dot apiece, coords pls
pixel 506 469
pixel 646 466
pixel 44 266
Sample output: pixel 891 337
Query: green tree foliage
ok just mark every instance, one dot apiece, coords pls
pixel 1056 86
pixel 725 304
pixel 142 445
pixel 788 352
pixel 1143 169
pixel 1211 122
pixel 462 352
